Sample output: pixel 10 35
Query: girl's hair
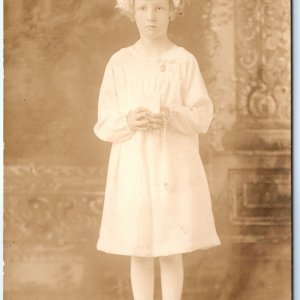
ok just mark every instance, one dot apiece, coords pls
pixel 126 8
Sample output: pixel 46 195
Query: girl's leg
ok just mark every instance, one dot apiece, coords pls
pixel 171 269
pixel 142 277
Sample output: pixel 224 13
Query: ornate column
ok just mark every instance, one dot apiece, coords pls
pixel 249 79
pixel 263 73
pixel 249 169
pixel 260 195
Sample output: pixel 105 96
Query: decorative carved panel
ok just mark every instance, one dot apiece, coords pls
pixel 52 205
pixel 260 199
pixel 49 214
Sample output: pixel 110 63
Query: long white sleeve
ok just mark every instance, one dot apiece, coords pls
pixel 112 124
pixel 195 115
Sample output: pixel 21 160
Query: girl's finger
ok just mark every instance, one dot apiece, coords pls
pixel 143 122
pixel 141 115
pixel 155 115
pixel 155 121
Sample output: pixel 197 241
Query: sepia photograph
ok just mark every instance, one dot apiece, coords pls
pixel 147 150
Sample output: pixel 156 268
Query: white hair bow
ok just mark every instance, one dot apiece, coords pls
pixel 176 2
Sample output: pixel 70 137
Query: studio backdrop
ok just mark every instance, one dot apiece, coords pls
pixel 55 167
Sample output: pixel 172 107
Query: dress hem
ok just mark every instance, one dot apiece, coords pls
pixel 189 250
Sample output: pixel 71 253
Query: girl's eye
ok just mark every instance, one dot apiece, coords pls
pixel 160 8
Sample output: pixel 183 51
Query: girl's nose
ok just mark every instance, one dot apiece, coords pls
pixel 151 15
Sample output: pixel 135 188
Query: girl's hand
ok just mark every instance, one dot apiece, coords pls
pixel 156 120
pixel 137 119
pixel 159 120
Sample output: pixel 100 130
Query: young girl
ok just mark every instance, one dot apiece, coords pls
pixel 152 105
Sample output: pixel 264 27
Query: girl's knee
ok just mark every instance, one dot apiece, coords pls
pixel 171 259
pixel 142 260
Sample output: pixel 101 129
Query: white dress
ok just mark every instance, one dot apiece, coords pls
pixel 157 200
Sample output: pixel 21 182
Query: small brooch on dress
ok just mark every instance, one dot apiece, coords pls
pixel 167 65
pixel 163 67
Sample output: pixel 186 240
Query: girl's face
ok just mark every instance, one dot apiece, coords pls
pixel 152 18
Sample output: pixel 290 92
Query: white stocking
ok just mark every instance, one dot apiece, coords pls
pixel 171 269
pixel 142 277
